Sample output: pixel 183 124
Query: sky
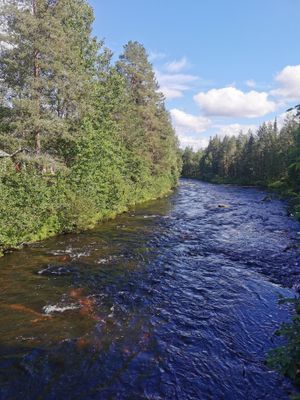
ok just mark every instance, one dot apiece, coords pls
pixel 223 65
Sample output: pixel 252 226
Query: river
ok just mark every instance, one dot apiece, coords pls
pixel 177 299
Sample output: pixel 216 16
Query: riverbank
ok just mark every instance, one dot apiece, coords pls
pixel 99 138
pixel 268 157
pixel 34 207
pixel 280 188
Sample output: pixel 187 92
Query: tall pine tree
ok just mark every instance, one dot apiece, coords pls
pixel 47 67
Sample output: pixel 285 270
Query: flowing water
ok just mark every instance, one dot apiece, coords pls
pixel 177 299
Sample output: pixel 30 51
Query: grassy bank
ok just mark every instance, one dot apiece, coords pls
pixel 34 207
pixel 286 190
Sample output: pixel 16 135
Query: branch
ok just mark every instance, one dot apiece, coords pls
pixel 20 151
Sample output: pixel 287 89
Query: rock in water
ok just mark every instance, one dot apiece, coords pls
pixel 223 205
pixel 57 270
pixel 267 198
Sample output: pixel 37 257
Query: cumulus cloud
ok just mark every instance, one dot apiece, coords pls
pixel 187 126
pixel 177 65
pixel 171 93
pixel 174 85
pixel 195 142
pixel 233 129
pixel 288 80
pixel 231 102
pixel 185 122
pixel 284 117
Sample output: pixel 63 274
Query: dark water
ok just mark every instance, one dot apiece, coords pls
pixel 175 300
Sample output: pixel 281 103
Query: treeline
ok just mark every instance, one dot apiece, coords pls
pixel 81 138
pixel 267 157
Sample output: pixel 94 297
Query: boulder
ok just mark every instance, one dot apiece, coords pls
pixel 267 198
pixel 223 205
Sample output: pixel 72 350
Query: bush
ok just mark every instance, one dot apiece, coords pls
pixel 286 359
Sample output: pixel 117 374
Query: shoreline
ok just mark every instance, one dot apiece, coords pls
pixel 284 195
pixel 104 218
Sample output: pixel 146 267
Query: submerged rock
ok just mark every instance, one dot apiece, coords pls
pixel 293 246
pixel 223 205
pixel 58 270
pixel 267 198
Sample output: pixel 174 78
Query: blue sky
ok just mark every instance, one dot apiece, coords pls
pixel 222 64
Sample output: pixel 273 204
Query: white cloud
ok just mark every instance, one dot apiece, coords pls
pixel 195 142
pixel 233 129
pixel 177 65
pixel 171 93
pixel 289 83
pixel 189 123
pixel 174 85
pixel 231 102
pixel 156 55
pixel 221 130
pixel 284 117
pixel 251 83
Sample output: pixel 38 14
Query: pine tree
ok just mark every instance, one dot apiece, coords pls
pixel 146 123
pixel 47 67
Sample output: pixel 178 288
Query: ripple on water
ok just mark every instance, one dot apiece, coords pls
pixel 176 300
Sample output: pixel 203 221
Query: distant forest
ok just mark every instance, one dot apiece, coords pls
pixel 268 157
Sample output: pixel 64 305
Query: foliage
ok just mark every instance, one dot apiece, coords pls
pixel 190 161
pixel 98 134
pixel 286 359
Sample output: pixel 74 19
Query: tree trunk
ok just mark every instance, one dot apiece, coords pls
pixel 36 74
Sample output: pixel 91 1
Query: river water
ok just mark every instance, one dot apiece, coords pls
pixel 177 299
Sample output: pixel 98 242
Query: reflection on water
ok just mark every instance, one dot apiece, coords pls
pixel 175 300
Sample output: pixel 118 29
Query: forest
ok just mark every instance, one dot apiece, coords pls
pixel 269 157
pixel 81 137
